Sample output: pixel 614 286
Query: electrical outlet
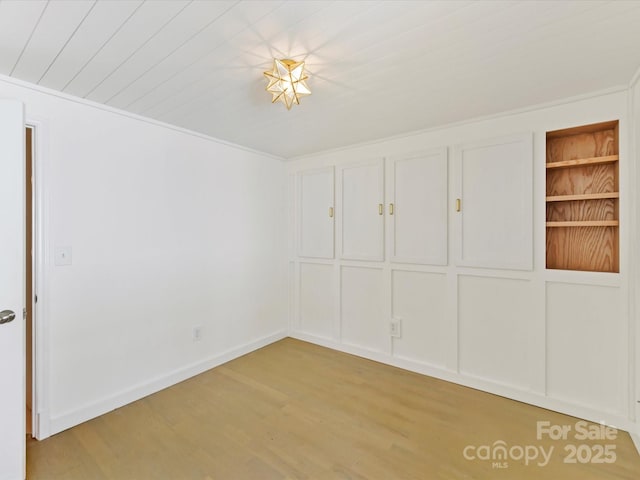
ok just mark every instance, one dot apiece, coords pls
pixel 197 333
pixel 396 327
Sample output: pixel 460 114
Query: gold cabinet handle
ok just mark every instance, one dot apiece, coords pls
pixel 380 209
pixel 330 212
pixel 458 205
pixel 391 209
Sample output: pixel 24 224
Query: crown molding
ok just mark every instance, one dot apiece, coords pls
pixel 106 108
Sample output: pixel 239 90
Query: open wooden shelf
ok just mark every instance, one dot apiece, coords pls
pixel 583 161
pixel 582 198
pixel 584 223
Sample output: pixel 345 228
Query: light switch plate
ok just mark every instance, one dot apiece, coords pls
pixel 63 256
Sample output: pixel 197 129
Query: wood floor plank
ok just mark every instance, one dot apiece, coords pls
pixel 294 410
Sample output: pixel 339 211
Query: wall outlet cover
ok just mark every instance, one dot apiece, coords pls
pixel 197 333
pixel 63 256
pixel 396 328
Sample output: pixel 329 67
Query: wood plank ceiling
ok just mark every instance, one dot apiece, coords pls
pixel 378 68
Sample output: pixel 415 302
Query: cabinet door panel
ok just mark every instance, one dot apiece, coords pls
pixel 419 299
pixel 582 320
pixel 317 299
pixel 362 193
pixel 315 224
pixel 494 226
pixel 418 191
pixel 493 319
pixel 362 307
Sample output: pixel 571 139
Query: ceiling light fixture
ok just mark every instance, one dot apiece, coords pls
pixel 287 82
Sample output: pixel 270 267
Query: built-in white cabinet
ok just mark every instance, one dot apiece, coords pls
pixel 316 213
pixel 490 207
pixel 417 207
pixel 434 251
pixel 494 207
pixel 361 210
pixel 407 209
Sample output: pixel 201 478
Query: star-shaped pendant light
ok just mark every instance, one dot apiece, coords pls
pixel 287 82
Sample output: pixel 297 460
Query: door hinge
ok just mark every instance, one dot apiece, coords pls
pixel 35 298
pixel 24 313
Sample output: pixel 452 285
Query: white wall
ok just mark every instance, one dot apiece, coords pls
pixel 634 104
pixel 168 231
pixel 558 339
pixel 171 230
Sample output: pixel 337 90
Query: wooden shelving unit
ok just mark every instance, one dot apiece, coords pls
pixel 584 223
pixel 583 198
pixel 583 161
pixel 587 196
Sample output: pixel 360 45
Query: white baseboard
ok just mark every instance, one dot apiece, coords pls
pixel 636 440
pixel 100 407
pixel 485 385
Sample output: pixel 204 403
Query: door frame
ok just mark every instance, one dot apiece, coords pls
pixel 40 330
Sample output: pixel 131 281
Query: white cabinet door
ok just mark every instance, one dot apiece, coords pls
pixel 363 308
pixel 316 213
pixel 362 210
pixel 12 291
pixel 494 185
pixel 317 300
pixel 418 208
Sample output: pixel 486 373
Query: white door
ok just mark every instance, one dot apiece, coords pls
pixel 12 291
pixel 494 221
pixel 362 210
pixel 417 208
pixel 315 214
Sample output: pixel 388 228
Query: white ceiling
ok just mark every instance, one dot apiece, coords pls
pixel 377 68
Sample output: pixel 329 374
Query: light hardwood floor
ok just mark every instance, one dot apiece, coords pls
pixel 293 410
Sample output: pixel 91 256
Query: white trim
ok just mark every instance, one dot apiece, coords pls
pixel 291 294
pixel 418 267
pixel 296 320
pixel 36 212
pixel 635 78
pixel 76 416
pixel 407 268
pixel 628 227
pixel 483 385
pixel 314 261
pixel 636 440
pixel 29 302
pixel 576 277
pixel 40 352
pixel 437 128
pixel 134 116
pixel 464 271
pixel 412 133
pixel 634 284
